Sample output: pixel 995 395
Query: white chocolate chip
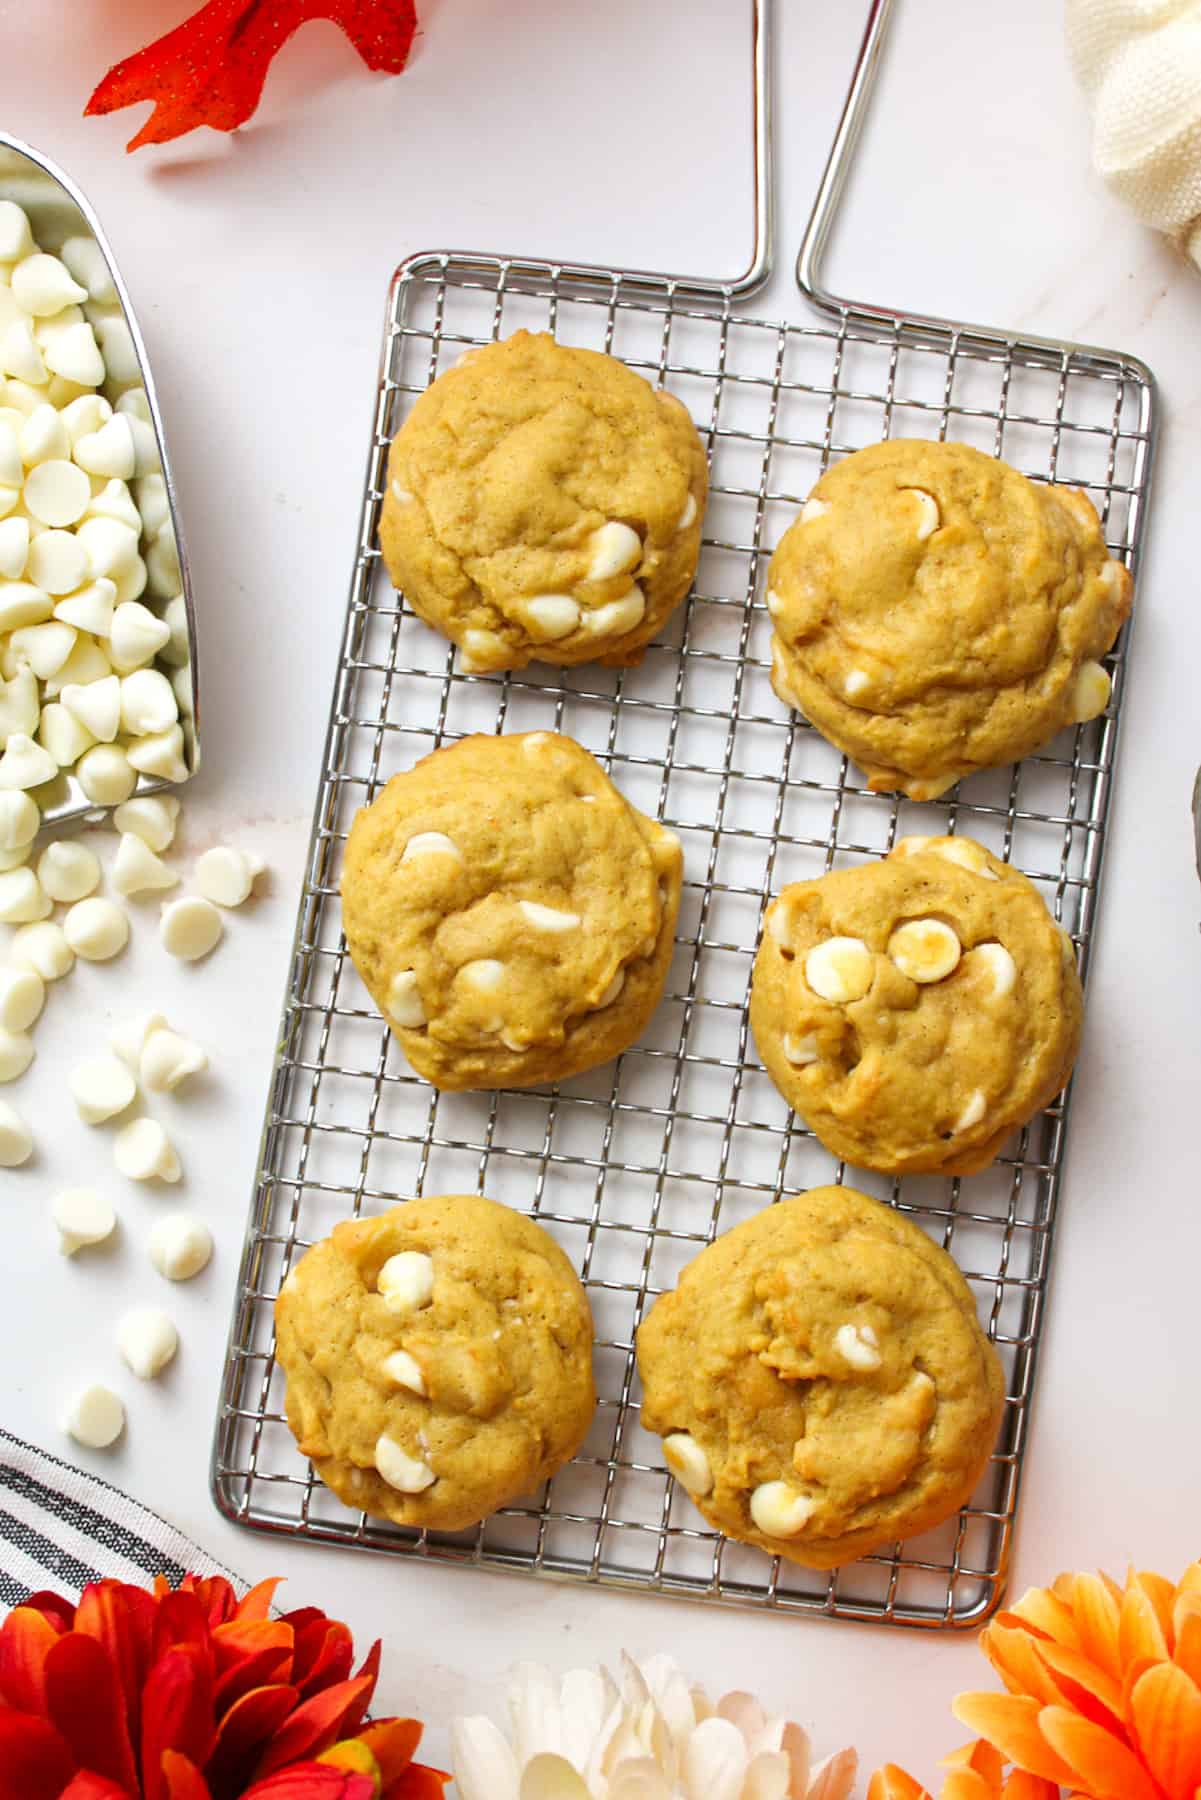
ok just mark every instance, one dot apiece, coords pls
pixel 486 974
pixel 928 516
pixel 142 1151
pixel 687 514
pixel 61 734
pixel 16 1139
pixel 95 1418
pixel 1000 966
pixel 482 652
pixel 405 1371
pixel 401 494
pixel 180 1246
pixel 109 450
pixel 533 741
pixel 19 708
pixel 160 753
pixel 136 636
pixel 406 1281
pixel 43 648
pixel 147 1340
pixel 22 996
pixel 778 1511
pixel 688 1462
pixel 21 603
pixel 19 820
pixel 405 1006
pixel 129 1038
pixel 73 353
pixel 801 1051
pixel 114 501
pixel 86 262
pixel 1090 696
pixel 68 870
pixel 859 1346
pixel 547 918
pixel 89 608
pixel 813 509
pixel 42 286
pixel 407 1474
pixel 840 969
pixel 614 549
pixel 1112 574
pixel 972 1113
pixel 44 949
pixel 775 603
pixel 16 238
pixel 22 898
pixel 96 929
pixel 82 1217
pixel 552 616
pixel 926 950
pixel 25 764
pixel 611 992
pixel 152 817
pixel 779 925
pixel 618 617
pixel 57 493
pixel 148 703
pixel 86 663
pixel 101 1089
pixel 190 928
pixel 430 843
pixel 137 870
pixel 168 1059
pixel 16 1054
pixel 106 775
pixel 965 852
pixel 856 682
pixel 58 564
pixel 43 438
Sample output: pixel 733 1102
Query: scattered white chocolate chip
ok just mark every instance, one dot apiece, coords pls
pixel 859 1346
pixel 778 1511
pixel 82 1217
pixel 147 1340
pixel 142 1151
pixel 129 1038
pixel 1002 969
pixel 972 1113
pixel 106 775
pixel 688 1462
pixel 227 876
pixel 68 870
pixel 22 897
pixel 19 820
pixel 22 996
pixel 547 918
pixel 405 1006
pixel 687 513
pixel 101 1089
pixel 180 1246
pixel 16 1054
pixel 152 817
pixel 424 843
pixel 16 1139
pixel 813 509
pixel 160 753
pixel 405 1371
pixel 42 947
pixel 840 969
pixel 618 617
pixel 926 950
pixel 190 928
pixel 168 1059
pixel 1090 696
pixel 614 549
pixel 95 1418
pixel 801 1051
pixel 407 1474
pixel 96 929
pixel 406 1281
pixel 137 870
pixel 928 516
pixel 857 681
pixel 148 703
pixel 552 616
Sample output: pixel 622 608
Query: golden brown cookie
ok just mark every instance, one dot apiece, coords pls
pixel 936 613
pixel 821 1381
pixel 438 1360
pixel 544 503
pixel 511 915
pixel 915 1011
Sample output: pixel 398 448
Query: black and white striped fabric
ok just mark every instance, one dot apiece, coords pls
pixel 61 1528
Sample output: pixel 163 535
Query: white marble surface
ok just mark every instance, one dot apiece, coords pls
pixel 259 267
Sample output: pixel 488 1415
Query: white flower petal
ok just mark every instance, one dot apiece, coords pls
pixel 795 1744
pixel 672 1697
pixel 550 1777
pixel 586 1703
pixel 834 1778
pixel 534 1710
pixel 745 1711
pixel 640 1780
pixel 635 1688
pixel 715 1762
pixel 767 1777
pixel 483 1763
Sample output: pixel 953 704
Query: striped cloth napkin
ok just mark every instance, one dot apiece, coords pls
pixel 61 1528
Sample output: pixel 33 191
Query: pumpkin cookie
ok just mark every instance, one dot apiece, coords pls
pixel 821 1381
pixel 438 1360
pixel 544 503
pixel 936 613
pixel 511 915
pixel 917 1010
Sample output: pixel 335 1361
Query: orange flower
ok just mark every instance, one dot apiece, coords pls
pixel 193 1695
pixel 977 1773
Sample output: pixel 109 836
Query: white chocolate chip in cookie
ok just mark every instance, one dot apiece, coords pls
pixel 840 969
pixel 775 603
pixel 926 950
pixel 401 494
pixel 611 992
pixel 407 1474
pixel 547 918
pixel 1000 967
pixel 777 1510
pixel 857 682
pixel 485 974
pixel 859 1346
pixel 928 516
pixel 972 1113
pixel 779 925
pixel 482 652
pixel 618 616
pixel 406 1281
pixel 688 1462
pixel 405 1371
pixel 966 852
pixel 687 514
pixel 552 616
pixel 1090 696
pixel 1112 573
pixel 814 509
pixel 801 1051
pixel 430 843
pixel 405 1005
pixel 615 548
pixel 911 846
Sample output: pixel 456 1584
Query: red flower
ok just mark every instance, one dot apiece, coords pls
pixel 193 1695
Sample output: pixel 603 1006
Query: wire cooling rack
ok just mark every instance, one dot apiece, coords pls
pixel 635 1167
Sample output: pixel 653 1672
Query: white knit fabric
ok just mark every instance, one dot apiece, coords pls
pixel 1139 62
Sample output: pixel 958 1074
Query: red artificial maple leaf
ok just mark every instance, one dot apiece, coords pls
pixel 210 70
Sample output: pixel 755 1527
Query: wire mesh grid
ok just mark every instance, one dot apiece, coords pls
pixel 635 1167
